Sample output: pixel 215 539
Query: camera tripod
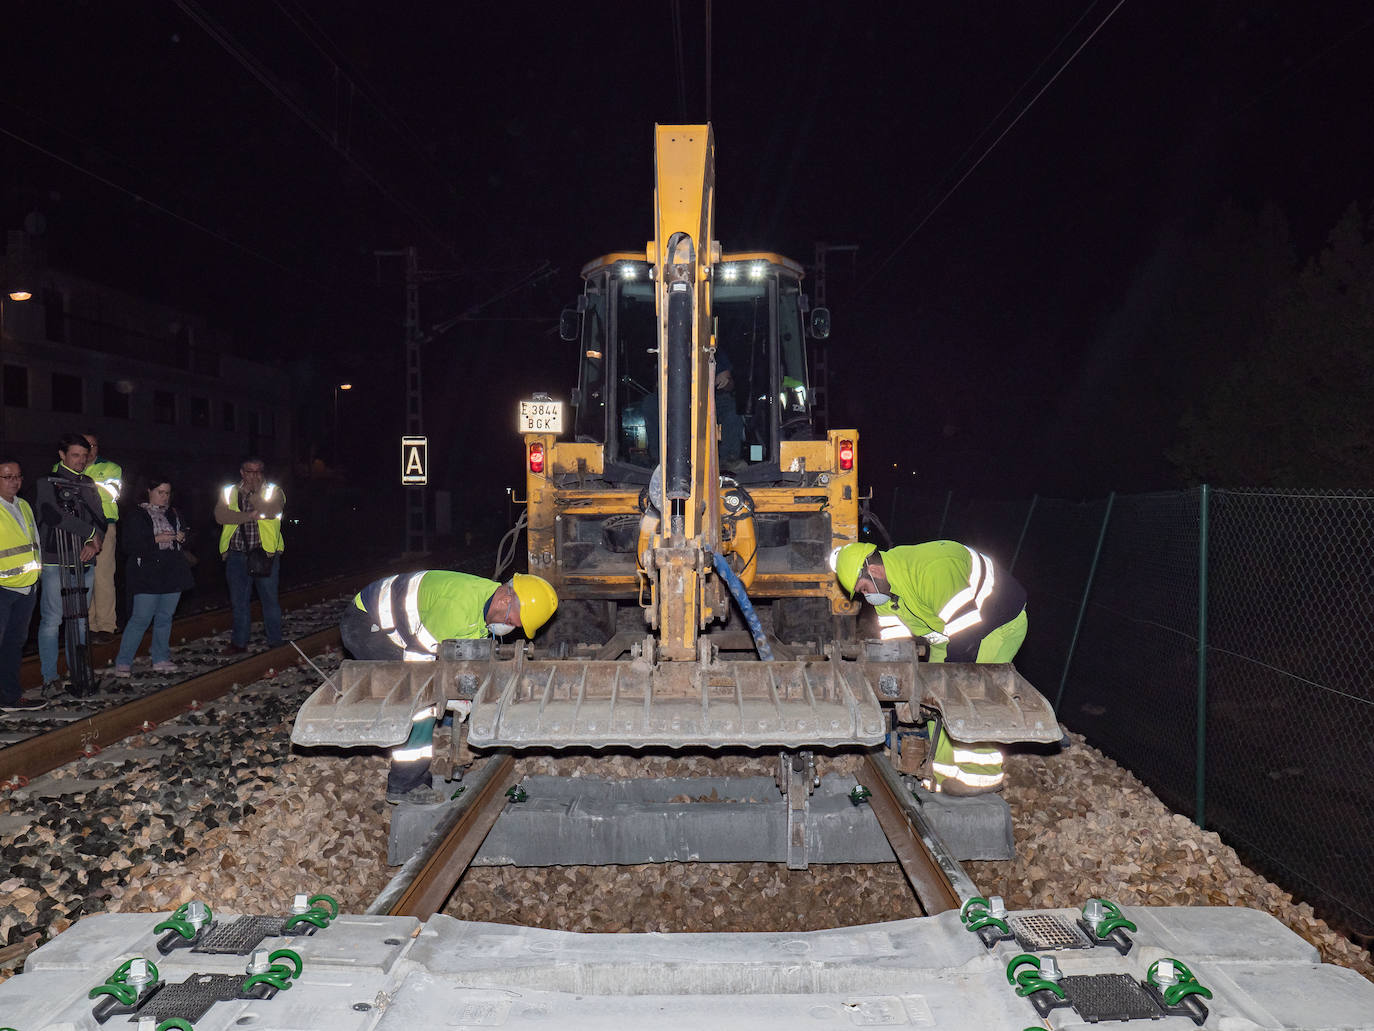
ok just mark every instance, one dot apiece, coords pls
pixel 72 578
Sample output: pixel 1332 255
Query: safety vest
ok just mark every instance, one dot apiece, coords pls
pixel 109 482
pixel 418 610
pixel 21 556
pixel 269 530
pixel 977 767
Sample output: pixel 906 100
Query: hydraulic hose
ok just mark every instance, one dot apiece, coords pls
pixel 741 597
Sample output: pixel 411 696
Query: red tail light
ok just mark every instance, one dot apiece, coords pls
pixel 846 455
pixel 536 458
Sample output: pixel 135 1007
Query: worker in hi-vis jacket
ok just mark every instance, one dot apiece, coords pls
pixel 404 617
pixel 966 606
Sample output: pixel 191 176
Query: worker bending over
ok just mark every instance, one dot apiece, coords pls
pixel 966 606
pixel 404 617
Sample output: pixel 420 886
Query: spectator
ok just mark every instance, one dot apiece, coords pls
pixel 21 561
pixel 68 503
pixel 108 477
pixel 156 573
pixel 251 544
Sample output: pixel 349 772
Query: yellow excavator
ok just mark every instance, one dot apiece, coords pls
pixel 686 511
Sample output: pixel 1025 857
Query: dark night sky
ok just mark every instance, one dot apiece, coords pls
pixel 984 350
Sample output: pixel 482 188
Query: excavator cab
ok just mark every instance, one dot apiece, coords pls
pixel 761 382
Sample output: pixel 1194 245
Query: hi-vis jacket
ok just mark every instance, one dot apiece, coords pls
pixel 109 481
pixel 21 556
pixel 977 767
pixel 268 504
pixel 418 610
pixel 949 594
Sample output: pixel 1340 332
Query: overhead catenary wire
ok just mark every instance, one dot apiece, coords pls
pixel 988 150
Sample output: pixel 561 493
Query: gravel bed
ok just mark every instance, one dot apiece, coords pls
pixel 234 818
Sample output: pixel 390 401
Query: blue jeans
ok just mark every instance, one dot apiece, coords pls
pixel 241 598
pixel 16 612
pixel 156 609
pixel 50 617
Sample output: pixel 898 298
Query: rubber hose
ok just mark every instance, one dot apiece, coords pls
pixel 742 598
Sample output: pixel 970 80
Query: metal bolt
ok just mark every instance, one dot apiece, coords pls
pixel 138 974
pixel 197 914
pixel 996 907
pixel 1049 969
pixel 1166 973
pixel 259 962
pixel 1094 913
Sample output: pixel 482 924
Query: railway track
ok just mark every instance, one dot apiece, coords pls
pixel 426 881
pixel 33 742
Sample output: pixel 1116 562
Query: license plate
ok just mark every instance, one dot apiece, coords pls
pixel 541 417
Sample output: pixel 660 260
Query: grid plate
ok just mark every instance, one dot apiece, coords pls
pixel 1039 932
pixel 1109 997
pixel 190 999
pixel 241 936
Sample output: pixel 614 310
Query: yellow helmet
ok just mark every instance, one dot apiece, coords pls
pixel 538 600
pixel 848 563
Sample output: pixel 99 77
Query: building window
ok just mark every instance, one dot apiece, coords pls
pixel 117 399
pixel 164 407
pixel 16 386
pixel 200 411
pixel 229 422
pixel 66 392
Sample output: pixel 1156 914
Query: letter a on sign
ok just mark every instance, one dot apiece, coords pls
pixel 414 460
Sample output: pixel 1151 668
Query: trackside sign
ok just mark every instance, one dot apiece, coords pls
pixel 414 461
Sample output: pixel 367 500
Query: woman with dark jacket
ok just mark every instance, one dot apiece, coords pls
pixel 156 572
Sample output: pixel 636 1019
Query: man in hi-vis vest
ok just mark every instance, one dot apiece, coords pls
pixel 250 542
pixel 966 606
pixel 21 560
pixel 404 617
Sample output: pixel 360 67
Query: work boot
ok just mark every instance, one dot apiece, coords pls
pixel 408 781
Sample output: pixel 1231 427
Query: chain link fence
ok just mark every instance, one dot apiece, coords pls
pixel 1219 643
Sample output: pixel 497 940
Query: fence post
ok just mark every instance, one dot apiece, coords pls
pixel 940 533
pixel 1024 527
pixel 1204 517
pixel 1083 605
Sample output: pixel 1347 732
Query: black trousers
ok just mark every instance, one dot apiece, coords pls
pixel 362 641
pixel 16 613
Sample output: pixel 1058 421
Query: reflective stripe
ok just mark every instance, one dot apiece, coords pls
pixel 992 757
pixel 27 567
pixel 229 495
pixel 18 549
pixel 973 780
pixel 891 628
pixel 422 636
pixel 111 487
pixel 405 755
pixel 268 491
pixel 385 619
pixel 981 581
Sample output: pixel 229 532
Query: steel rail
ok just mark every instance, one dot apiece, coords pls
pixel 41 753
pixel 428 877
pixel 935 876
